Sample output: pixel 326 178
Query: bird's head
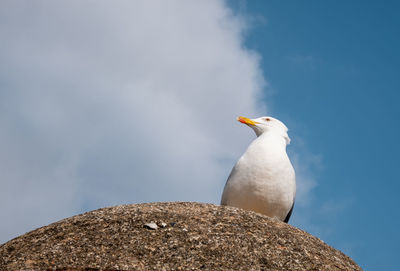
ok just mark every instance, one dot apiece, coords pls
pixel 266 125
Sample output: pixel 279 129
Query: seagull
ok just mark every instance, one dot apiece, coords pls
pixel 263 180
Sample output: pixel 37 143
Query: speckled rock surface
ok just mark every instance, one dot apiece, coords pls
pixel 170 236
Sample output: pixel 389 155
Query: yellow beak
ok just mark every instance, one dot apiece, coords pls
pixel 246 120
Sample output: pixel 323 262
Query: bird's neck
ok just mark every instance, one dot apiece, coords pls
pixel 272 141
pixel 267 149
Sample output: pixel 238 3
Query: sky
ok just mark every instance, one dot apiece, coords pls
pixel 106 103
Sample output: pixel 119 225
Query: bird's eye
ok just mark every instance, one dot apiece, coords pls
pixel 267 119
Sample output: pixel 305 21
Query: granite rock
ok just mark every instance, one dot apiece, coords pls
pixel 181 236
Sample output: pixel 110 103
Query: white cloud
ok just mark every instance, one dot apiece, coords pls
pixel 103 103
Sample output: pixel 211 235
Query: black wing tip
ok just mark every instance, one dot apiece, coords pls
pixel 289 214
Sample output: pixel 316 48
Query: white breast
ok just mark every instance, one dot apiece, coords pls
pixel 263 180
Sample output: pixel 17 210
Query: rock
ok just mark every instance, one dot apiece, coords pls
pixel 220 238
pixel 151 226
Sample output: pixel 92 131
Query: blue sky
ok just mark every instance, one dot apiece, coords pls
pixel 334 69
pixel 135 102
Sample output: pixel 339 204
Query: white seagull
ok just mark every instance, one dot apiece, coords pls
pixel 263 180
